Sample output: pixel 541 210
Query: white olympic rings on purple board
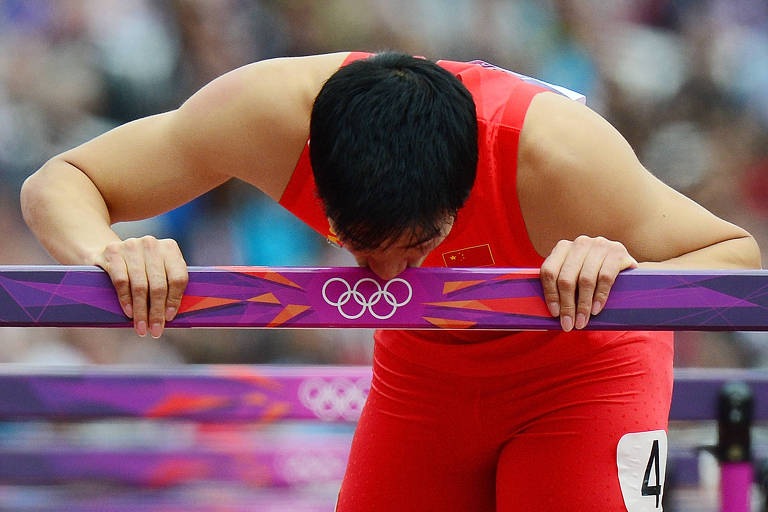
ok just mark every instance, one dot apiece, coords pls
pixel 337 399
pixel 367 303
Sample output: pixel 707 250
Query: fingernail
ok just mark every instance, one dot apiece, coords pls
pixel 596 306
pixel 581 321
pixel 129 310
pixel 141 328
pixel 567 323
pixel 156 330
pixel 554 308
pixel 170 312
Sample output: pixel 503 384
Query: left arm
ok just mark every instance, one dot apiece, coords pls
pixel 593 210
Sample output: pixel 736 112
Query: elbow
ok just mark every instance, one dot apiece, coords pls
pixel 750 255
pixel 37 192
pixel 31 195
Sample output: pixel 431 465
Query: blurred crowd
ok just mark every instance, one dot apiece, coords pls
pixel 685 81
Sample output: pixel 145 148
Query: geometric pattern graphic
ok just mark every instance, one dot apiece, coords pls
pixel 240 394
pixel 419 298
pixel 269 462
pixel 215 393
pixel 262 394
pixel 213 497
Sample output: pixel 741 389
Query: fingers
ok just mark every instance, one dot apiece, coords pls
pixel 577 278
pixel 112 262
pixel 150 277
pixel 558 276
pixel 176 273
pixel 137 276
pixel 158 288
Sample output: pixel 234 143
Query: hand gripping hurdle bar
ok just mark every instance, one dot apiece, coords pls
pixel 419 298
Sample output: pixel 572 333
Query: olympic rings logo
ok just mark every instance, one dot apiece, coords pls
pixel 367 303
pixel 312 465
pixel 339 399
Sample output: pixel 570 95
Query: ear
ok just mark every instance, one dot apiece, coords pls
pixel 332 236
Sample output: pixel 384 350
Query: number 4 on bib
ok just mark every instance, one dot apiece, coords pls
pixel 653 465
pixel 641 459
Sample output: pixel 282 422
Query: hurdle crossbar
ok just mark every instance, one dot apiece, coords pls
pixel 263 394
pixel 419 298
pixel 214 497
pixel 284 461
pixel 252 395
pixel 206 393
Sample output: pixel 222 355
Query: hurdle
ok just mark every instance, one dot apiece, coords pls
pixel 258 397
pixel 254 398
pixel 419 298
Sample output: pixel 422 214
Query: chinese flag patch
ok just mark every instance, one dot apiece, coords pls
pixel 477 256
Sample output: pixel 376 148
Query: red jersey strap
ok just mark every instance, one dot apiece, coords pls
pixel 507 145
pixel 300 196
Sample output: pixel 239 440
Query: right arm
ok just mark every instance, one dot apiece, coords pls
pixel 251 123
pixel 72 201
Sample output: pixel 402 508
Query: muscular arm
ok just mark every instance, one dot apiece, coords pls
pixel 251 123
pixel 593 210
pixel 135 171
pixel 578 176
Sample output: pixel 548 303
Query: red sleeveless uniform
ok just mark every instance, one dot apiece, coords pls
pixel 500 421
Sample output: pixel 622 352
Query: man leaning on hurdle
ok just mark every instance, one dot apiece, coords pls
pixel 414 161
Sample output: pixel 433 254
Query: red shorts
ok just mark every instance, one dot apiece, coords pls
pixel 541 437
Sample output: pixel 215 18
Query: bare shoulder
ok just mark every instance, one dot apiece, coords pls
pixel 256 118
pixel 577 175
pixel 566 132
pixel 570 160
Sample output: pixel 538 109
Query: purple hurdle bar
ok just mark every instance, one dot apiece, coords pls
pixel 423 298
pixel 234 393
pixel 216 393
pixel 283 461
pixel 352 297
pixel 197 498
pixel 262 395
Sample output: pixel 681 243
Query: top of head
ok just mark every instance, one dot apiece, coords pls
pixel 394 148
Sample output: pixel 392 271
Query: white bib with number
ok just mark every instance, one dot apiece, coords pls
pixel 642 462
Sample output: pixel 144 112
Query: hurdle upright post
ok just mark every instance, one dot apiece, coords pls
pixel 734 447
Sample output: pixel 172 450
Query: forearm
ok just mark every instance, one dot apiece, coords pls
pixel 735 253
pixel 67 213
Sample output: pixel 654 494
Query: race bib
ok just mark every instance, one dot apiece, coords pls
pixel 559 89
pixel 642 462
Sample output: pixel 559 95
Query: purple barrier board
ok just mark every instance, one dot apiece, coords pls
pixel 235 393
pixel 419 298
pixel 222 394
pixel 215 393
pixel 315 460
pixel 696 391
pixel 287 462
pixel 197 498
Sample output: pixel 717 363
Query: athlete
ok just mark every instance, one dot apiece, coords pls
pixel 407 162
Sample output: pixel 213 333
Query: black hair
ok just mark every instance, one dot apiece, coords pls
pixel 393 146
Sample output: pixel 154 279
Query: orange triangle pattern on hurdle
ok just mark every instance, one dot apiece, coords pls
pixel 288 312
pixel 452 286
pixel 267 298
pixel 192 303
pixel 180 404
pixel 516 305
pixel 533 273
pixel 447 323
pixel 263 273
pixel 245 373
